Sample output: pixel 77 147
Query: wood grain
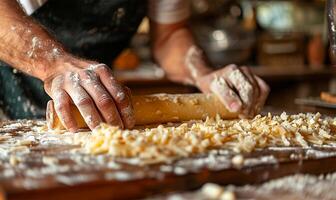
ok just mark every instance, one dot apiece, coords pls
pixel 77 175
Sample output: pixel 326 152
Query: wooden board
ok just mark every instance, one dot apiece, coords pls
pixel 315 101
pixel 38 165
pixel 298 187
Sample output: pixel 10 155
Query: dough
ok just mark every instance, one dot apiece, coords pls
pixel 165 143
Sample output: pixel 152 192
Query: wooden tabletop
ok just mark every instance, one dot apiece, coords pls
pixel 41 165
pixel 298 187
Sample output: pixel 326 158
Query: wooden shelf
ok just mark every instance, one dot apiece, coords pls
pixel 270 74
pixel 293 73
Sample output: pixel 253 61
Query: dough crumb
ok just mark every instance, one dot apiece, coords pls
pixel 167 143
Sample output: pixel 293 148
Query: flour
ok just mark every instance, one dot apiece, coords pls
pixel 74 77
pixel 121 95
pixel 13 28
pixel 193 54
pixel 35 45
pixel 128 111
pixel 75 179
pixel 244 88
pixel 238 161
pixel 91 77
pixel 189 60
pixel 22 141
pixel 80 94
pixel 88 119
pixel 167 143
pixel 93 67
pixel 56 52
pixel 222 89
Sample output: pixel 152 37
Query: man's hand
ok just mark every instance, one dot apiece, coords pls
pixel 238 88
pixel 27 46
pixel 183 61
pixel 95 92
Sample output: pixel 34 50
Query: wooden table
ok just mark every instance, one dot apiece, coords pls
pixel 298 187
pixel 40 165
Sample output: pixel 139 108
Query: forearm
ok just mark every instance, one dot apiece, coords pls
pixel 25 45
pixel 177 53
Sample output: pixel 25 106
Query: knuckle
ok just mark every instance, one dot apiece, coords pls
pixel 244 69
pixel 58 78
pixel 72 79
pixel 82 73
pixel 100 68
pixel 88 77
pixel 90 74
pixel 68 74
pixel 121 97
pixel 232 67
pixel 84 102
pixel 105 102
pixel 104 68
pixel 116 88
pixel 56 83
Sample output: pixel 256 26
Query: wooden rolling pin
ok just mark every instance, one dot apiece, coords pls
pixel 160 108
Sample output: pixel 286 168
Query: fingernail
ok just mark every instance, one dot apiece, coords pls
pixel 235 107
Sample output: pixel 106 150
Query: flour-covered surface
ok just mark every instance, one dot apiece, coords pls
pixel 298 187
pixel 38 164
pixel 168 143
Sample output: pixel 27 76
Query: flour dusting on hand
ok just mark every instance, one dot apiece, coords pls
pixel 222 89
pixel 193 53
pixel 244 87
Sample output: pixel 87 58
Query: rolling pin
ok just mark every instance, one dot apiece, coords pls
pixel 159 108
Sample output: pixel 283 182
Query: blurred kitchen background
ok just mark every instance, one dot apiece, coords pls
pixel 285 42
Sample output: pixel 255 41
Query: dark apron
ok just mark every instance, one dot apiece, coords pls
pixel 94 29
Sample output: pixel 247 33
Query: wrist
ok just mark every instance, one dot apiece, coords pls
pixel 182 60
pixel 196 64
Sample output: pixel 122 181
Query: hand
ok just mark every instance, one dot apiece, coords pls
pixel 94 91
pixel 238 88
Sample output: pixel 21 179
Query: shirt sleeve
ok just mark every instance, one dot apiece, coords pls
pixel 169 11
pixel 29 6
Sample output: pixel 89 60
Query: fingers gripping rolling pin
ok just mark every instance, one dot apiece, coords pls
pixel 160 108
